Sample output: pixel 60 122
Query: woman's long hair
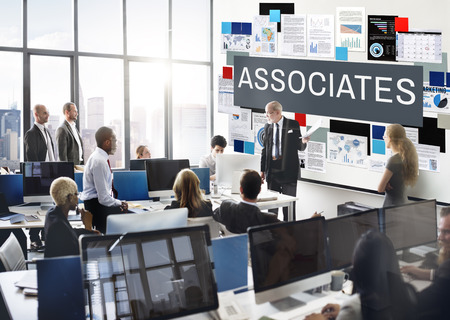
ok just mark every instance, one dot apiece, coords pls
pixel 407 151
pixel 187 191
pixel 377 278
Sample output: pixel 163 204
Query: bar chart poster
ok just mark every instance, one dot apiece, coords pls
pixel 347 149
pixel 320 35
pixel 351 28
pixel 381 38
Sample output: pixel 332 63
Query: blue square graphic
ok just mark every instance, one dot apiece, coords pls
pixel 246 28
pixel 275 16
pixel 249 147
pixel 236 28
pixel 378 147
pixel 378 132
pixel 448 80
pixel 437 79
pixel 342 53
pixel 239 146
pixel 226 27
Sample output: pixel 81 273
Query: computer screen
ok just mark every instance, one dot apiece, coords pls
pixel 227 164
pixel 149 275
pixel 161 174
pixel 412 224
pixel 139 164
pixel 288 258
pixel 146 221
pixel 38 176
pixel 343 233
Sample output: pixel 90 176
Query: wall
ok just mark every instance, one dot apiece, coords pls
pixel 430 15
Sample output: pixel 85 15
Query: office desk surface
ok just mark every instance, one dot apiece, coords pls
pixel 29 210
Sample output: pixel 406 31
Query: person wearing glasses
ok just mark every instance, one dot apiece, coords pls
pixel 279 157
pixel 61 238
pixel 98 194
pixel 402 169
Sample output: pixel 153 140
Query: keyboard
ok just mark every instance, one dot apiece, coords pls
pixel 314 306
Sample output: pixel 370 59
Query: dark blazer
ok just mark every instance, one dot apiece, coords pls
pixel 291 142
pixel 35 146
pixel 67 145
pixel 204 211
pixel 238 217
pixel 60 238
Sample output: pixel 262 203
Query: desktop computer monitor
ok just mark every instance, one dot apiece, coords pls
pixel 343 233
pixel 158 274
pixel 227 164
pixel 139 164
pixel 38 176
pixel 161 174
pixel 146 221
pixel 411 225
pixel 288 258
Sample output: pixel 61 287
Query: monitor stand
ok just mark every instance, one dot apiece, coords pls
pixel 46 205
pixel 409 257
pixel 287 304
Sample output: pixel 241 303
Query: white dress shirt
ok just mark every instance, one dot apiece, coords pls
pixel 208 161
pixel 97 179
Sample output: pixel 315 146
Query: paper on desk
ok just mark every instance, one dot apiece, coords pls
pixel 313 128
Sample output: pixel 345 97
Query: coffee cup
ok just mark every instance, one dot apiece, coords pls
pixel 338 278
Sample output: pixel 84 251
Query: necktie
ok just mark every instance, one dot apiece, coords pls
pixel 115 194
pixel 51 156
pixel 277 142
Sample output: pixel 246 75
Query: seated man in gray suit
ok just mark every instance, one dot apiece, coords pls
pixel 237 217
pixel 70 144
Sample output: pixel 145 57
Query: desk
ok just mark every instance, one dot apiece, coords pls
pixel 283 201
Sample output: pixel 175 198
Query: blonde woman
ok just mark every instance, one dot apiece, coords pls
pixel 142 152
pixel 188 195
pixel 401 169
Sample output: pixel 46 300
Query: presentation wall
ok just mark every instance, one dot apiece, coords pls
pixel 346 69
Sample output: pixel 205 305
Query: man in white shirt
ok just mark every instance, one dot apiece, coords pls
pixel 218 144
pixel 38 147
pixel 70 144
pixel 98 189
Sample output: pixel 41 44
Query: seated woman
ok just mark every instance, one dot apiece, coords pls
pixel 188 195
pixel 380 290
pixel 61 239
pixel 142 152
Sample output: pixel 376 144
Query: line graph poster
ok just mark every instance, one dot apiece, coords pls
pixel 381 38
pixel 347 149
pixel 320 35
pixel 351 28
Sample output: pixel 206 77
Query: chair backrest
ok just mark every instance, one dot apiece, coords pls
pixel 11 254
pixel 214 226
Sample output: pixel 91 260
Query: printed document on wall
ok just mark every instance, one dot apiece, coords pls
pixel 320 35
pixel 347 149
pixel 259 121
pixel 315 156
pixel 226 96
pixel 264 34
pixel 240 126
pixel 429 157
pixel 436 98
pixel 293 35
pixel 419 46
pixel 351 28
pixel 236 42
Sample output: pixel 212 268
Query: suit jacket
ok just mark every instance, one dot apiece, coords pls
pixel 67 145
pixel 238 217
pixel 35 145
pixel 60 238
pixel 291 142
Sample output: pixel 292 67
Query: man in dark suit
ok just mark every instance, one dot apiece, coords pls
pixel 237 217
pixel 38 147
pixel 279 156
pixel 70 144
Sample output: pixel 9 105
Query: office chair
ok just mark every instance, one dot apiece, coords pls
pixel 11 255
pixel 214 226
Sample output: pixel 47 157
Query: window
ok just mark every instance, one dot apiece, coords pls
pixel 142 67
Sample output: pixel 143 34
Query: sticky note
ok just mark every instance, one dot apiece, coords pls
pixel 342 53
pixel 401 24
pixel 238 146
pixel 227 73
pixel 275 16
pixel 378 147
pixel 378 132
pixel 437 79
pixel 246 28
pixel 226 27
pixel 249 147
pixel 236 28
pixel 301 119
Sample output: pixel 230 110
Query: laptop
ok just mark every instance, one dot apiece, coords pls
pixel 5 214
